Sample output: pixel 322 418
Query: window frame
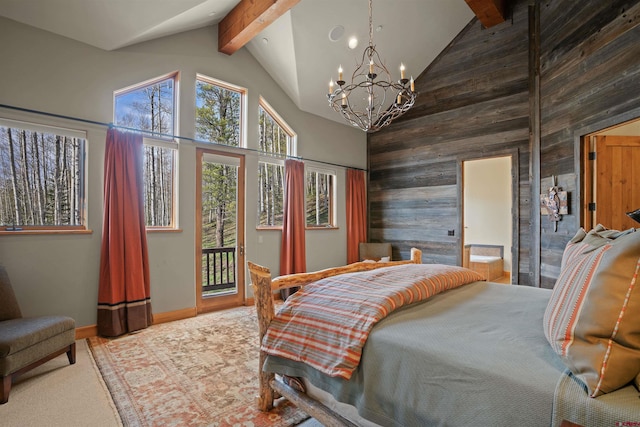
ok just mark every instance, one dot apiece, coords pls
pixel 275 158
pixel 242 139
pixel 160 140
pixel 81 228
pixel 332 223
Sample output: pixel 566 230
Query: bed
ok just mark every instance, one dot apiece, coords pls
pixel 495 363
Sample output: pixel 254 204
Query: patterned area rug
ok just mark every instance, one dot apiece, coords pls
pixel 200 371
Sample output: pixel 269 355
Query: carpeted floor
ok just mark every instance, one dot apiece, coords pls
pixel 57 394
pixel 194 372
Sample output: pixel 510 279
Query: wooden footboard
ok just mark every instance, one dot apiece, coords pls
pixel 263 290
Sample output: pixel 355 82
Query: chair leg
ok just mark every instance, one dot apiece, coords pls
pixel 71 354
pixel 5 389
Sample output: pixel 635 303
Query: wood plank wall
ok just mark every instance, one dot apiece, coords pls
pixel 474 102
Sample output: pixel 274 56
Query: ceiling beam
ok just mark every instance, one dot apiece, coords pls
pixel 489 12
pixel 247 19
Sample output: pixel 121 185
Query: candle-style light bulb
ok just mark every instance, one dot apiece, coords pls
pixel 401 70
pixel 412 85
pixel 344 98
pixel 399 99
pixel 330 86
pixel 340 73
pixel 371 66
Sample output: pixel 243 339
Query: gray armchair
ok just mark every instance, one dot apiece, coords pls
pixel 27 342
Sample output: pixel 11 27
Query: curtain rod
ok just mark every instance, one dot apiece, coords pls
pixel 111 125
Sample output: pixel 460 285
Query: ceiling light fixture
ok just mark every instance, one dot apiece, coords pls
pixel 372 100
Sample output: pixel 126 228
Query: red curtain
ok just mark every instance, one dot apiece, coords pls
pixel 124 303
pixel 292 254
pixel 356 213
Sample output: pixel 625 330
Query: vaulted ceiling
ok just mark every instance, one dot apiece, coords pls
pixel 300 43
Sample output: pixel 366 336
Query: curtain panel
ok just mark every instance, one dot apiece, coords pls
pixel 356 213
pixel 293 257
pixel 124 303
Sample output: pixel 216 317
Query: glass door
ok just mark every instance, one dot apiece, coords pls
pixel 220 225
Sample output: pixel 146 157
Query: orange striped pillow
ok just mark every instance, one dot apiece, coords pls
pixel 593 317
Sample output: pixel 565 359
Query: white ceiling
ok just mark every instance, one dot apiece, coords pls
pixel 295 50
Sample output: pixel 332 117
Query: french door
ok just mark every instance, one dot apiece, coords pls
pixel 220 230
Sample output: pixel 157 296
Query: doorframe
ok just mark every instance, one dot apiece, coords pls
pixel 515 206
pixel 226 301
pixel 580 156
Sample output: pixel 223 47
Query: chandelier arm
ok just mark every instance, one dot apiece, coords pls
pixel 373 99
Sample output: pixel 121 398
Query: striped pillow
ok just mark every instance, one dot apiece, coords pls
pixel 593 317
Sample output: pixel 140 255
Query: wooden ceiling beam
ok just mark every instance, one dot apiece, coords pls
pixel 247 19
pixel 489 12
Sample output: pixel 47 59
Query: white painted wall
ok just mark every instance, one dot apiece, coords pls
pixel 487 204
pixel 58 274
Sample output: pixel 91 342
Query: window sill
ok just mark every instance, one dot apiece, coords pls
pixel 164 230
pixel 268 228
pixel 279 228
pixel 42 232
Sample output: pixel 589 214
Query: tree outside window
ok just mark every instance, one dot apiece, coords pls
pixel 218 120
pixel 319 190
pixel 150 107
pixel 42 183
pixel 276 142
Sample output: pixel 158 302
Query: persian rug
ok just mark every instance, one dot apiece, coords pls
pixel 200 371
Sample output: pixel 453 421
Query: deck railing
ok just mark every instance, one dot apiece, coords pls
pixel 218 269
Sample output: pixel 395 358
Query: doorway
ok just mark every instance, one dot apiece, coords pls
pixel 489 208
pixel 220 230
pixel 611 176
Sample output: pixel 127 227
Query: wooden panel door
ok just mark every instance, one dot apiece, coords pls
pixel 617 172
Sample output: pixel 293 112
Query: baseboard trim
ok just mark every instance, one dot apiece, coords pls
pixel 92 330
pixel 170 316
pixel 86 332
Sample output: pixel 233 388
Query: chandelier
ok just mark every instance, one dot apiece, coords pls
pixel 372 100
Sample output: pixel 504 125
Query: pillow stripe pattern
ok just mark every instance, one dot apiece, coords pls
pixel 592 320
pixel 617 327
pixel 567 302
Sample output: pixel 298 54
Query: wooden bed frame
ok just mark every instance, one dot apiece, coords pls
pixel 272 388
pixel 263 291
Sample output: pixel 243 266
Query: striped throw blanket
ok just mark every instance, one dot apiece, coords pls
pixel 326 323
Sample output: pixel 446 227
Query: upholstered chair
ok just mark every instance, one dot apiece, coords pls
pixel 375 251
pixel 27 342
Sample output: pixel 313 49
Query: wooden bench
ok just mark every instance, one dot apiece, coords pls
pixel 488 260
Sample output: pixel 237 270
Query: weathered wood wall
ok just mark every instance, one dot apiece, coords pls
pixel 590 72
pixel 475 101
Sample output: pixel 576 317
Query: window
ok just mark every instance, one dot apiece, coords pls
pixel 319 196
pixel 277 141
pixel 150 107
pixel 42 177
pixel 218 112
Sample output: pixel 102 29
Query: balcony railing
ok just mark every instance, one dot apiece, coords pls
pixel 218 270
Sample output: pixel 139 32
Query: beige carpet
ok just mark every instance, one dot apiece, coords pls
pixel 200 371
pixel 58 394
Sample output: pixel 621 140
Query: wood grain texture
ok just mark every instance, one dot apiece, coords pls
pixel 247 19
pixel 477 99
pixel 489 12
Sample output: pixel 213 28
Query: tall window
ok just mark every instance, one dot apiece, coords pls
pixel 277 141
pixel 150 107
pixel 42 177
pixel 319 196
pixel 218 112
